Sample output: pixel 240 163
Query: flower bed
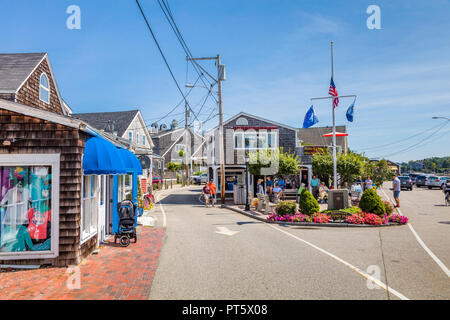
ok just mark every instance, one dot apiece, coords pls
pixel 360 218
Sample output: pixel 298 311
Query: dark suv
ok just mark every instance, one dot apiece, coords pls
pixel 406 182
pixel 420 180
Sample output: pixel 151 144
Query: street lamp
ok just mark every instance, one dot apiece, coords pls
pixel 247 160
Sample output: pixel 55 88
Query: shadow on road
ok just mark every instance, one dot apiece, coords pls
pixel 444 222
pixel 181 199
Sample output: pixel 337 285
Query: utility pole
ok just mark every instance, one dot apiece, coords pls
pixel 220 78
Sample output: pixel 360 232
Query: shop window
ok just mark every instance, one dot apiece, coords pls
pixel 90 204
pixel 44 89
pixel 125 187
pixel 29 198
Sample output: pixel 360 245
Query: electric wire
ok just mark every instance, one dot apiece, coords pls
pixel 414 146
pixel 163 56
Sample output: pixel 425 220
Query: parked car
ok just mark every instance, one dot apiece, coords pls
pixel 413 177
pixel 433 182
pixel 420 180
pixel 199 179
pixel 406 182
pixel 157 179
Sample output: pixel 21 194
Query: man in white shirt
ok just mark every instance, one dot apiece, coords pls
pixel 396 187
pixel 277 191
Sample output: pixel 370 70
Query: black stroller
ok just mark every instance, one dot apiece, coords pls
pixel 127 231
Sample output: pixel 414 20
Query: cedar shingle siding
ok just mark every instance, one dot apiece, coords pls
pixel 34 135
pixel 286 137
pixel 29 92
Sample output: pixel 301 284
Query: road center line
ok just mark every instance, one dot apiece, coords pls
pixel 419 240
pixel 352 267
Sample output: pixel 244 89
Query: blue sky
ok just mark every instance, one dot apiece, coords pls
pixel 277 55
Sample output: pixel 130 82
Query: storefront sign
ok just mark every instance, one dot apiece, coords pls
pixel 310 150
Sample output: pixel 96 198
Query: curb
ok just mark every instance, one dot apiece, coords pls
pixel 310 224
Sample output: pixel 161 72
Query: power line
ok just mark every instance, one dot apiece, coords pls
pixel 176 30
pixel 163 56
pixel 398 141
pixel 418 143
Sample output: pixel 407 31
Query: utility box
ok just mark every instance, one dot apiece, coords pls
pixel 338 199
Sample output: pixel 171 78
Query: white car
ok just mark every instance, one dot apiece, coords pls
pixel 434 182
pixel 203 178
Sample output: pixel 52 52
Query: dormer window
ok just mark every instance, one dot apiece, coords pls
pixel 44 89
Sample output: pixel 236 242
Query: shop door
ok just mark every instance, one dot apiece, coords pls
pixel 102 210
pixel 109 204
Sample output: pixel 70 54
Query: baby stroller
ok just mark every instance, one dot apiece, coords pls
pixel 127 231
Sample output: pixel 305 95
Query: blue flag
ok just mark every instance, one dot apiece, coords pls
pixel 310 118
pixel 349 113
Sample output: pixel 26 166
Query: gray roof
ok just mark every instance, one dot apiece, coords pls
pixel 314 135
pixel 101 120
pixel 16 67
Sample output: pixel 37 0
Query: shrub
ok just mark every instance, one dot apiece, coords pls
pixel 308 204
pixel 371 202
pixel 388 206
pixel 285 207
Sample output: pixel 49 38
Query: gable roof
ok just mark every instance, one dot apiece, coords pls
pixel 100 120
pixel 259 118
pixel 15 68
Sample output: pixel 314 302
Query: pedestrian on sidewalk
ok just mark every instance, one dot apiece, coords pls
pixel 213 188
pixel 315 186
pixel 396 188
pixel 260 188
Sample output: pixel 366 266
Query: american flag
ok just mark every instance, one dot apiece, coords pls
pixel 333 92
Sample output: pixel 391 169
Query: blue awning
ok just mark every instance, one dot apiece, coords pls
pixel 102 157
pixel 131 162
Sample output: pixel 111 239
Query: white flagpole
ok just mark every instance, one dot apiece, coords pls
pixel 334 126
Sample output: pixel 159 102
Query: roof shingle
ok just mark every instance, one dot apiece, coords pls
pixel 16 67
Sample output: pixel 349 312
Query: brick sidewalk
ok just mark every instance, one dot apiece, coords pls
pixel 113 273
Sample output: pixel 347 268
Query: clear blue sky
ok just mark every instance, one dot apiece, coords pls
pixel 277 56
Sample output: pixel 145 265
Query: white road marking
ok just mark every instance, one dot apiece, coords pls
pixel 352 267
pixel 226 231
pixel 162 208
pixel 424 246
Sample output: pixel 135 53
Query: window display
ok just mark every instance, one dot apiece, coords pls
pixel 25 208
pixel 89 215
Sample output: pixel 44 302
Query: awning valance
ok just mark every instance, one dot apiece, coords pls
pixel 131 162
pixel 102 157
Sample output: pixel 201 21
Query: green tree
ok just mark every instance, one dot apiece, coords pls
pixel 289 163
pixel 381 172
pixel 322 165
pixel 174 166
pixel 308 204
pixel 349 167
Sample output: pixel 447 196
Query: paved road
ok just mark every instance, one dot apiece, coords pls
pixel 263 261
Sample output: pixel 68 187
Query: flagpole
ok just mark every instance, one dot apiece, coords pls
pixel 334 126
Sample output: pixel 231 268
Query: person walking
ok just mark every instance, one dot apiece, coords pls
pixel 315 186
pixel 368 183
pixel 206 194
pixel 213 188
pixel 396 188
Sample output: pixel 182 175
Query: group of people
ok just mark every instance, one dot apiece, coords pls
pixel 210 192
pixel 274 189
